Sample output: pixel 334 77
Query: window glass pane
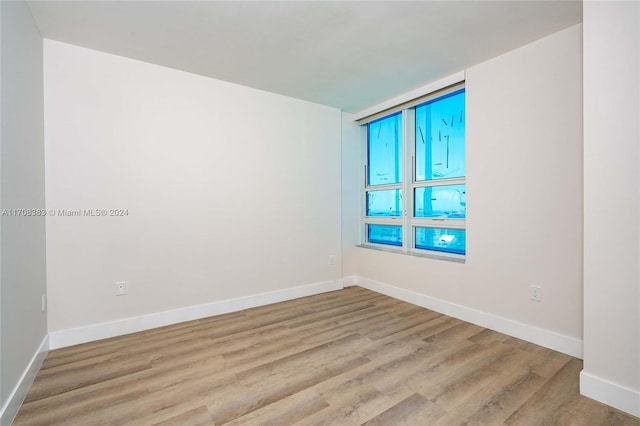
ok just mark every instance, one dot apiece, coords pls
pixel 440 138
pixel 445 240
pixel 384 203
pixel 384 150
pixel 385 234
pixel 448 201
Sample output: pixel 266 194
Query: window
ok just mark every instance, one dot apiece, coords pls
pixel 415 193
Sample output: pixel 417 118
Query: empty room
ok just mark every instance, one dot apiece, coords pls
pixel 255 213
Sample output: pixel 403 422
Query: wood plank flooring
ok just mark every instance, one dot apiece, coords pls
pixel 348 357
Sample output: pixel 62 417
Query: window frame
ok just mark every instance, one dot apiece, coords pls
pixel 408 221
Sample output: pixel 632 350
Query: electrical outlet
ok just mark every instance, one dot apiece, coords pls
pixel 121 288
pixel 332 260
pixel 535 293
pixel 44 302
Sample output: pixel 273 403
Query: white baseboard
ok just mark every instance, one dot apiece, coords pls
pixel 14 401
pixel 549 339
pixel 350 281
pixel 89 333
pixel 615 395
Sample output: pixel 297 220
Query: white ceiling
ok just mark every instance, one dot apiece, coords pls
pixel 348 54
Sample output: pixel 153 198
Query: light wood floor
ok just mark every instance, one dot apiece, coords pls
pixel 348 357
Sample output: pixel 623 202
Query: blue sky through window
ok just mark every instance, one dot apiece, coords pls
pixel 384 151
pixel 444 240
pixel 448 201
pixel 385 234
pixel 440 138
pixel 384 203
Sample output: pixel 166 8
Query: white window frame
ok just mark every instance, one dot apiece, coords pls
pixel 382 220
pixel 407 221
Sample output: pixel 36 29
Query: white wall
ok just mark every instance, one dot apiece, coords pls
pixel 23 325
pixel 612 204
pixel 231 191
pixel 524 183
pixel 351 196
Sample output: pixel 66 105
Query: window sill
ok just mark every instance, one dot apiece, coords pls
pixel 428 255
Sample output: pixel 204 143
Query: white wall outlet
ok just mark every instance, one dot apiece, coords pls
pixel 44 302
pixel 121 288
pixel 332 260
pixel 535 293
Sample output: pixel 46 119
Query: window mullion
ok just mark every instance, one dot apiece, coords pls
pixel 439 182
pixel 409 140
pixel 383 187
pixel 439 223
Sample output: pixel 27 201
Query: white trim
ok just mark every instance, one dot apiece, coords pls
pixel 613 394
pixel 89 333
pixel 408 148
pixel 413 94
pixel 350 281
pixel 549 339
pixel 19 393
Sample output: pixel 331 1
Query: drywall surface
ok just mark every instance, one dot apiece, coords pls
pixel 223 191
pixel 524 194
pixel 23 325
pixel 352 181
pixel 611 194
